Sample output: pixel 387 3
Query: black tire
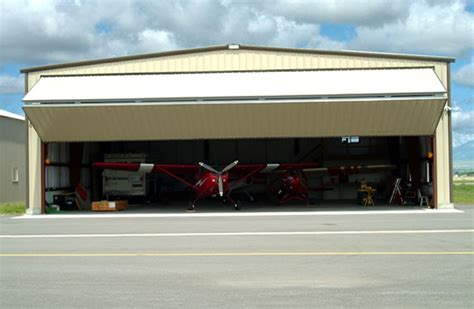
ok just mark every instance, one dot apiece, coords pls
pixel 191 207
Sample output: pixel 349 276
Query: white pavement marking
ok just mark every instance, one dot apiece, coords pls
pixel 242 214
pixel 241 234
pixel 218 254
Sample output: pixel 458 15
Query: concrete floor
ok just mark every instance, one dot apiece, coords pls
pixel 215 205
pixel 410 260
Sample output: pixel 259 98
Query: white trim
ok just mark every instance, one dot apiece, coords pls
pixel 445 206
pixel 236 102
pixel 270 167
pixel 6 114
pixel 15 175
pixel 145 168
pixel 244 214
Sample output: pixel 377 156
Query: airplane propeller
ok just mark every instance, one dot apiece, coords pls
pixel 220 183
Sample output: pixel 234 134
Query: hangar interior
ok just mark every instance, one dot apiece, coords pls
pixel 408 158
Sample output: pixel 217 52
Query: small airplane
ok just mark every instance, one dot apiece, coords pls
pixel 293 183
pixel 211 182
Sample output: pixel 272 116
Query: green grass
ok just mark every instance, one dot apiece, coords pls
pixel 463 193
pixel 12 209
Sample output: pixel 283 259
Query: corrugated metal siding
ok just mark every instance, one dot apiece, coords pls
pixel 230 120
pixel 232 60
pixel 12 155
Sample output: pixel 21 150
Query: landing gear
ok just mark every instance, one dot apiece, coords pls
pixel 236 205
pixel 249 196
pixel 191 208
pixel 226 199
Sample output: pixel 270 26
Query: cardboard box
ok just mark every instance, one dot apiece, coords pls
pixel 109 206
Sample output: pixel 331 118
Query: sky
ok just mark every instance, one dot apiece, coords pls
pixel 40 32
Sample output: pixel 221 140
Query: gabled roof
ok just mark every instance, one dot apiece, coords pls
pixel 4 113
pixel 242 47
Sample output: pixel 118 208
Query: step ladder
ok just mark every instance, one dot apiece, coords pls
pixel 397 192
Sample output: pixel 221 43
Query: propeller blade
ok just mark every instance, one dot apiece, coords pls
pixel 207 167
pixel 220 185
pixel 230 166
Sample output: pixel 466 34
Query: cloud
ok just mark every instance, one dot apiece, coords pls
pixel 430 27
pixel 462 125
pixel 369 13
pixel 463 121
pixel 41 32
pixel 461 139
pixel 150 39
pixel 465 75
pixel 47 31
pixel 11 84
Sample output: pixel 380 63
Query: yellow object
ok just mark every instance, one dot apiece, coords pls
pixel 369 199
pixel 109 206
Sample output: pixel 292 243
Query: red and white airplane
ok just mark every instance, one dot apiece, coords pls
pixel 211 182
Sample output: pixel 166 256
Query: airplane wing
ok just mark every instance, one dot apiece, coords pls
pixel 348 170
pixel 242 171
pixel 272 167
pixel 180 169
pixel 247 171
pixel 172 170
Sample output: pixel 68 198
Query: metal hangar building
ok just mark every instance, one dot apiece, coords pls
pixel 12 157
pixel 251 103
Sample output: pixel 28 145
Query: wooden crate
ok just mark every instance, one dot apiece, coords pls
pixel 109 205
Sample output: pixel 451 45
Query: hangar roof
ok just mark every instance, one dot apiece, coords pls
pixel 4 113
pixel 242 47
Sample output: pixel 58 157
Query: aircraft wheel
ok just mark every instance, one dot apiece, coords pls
pixel 191 208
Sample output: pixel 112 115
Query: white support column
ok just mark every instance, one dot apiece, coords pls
pixel 34 172
pixel 443 175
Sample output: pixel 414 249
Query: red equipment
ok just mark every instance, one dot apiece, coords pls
pixel 211 182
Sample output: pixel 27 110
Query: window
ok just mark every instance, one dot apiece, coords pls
pixel 350 140
pixel 15 174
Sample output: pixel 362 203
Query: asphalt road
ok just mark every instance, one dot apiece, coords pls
pixel 388 260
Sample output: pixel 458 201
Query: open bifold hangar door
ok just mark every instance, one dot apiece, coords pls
pixel 330 103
